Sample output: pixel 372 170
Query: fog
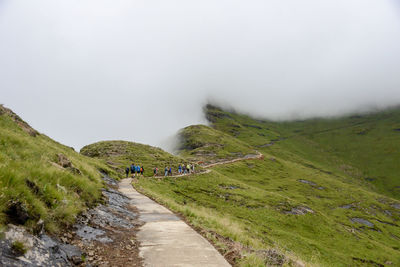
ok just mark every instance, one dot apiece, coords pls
pixel 82 71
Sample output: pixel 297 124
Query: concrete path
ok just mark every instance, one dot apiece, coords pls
pixel 165 240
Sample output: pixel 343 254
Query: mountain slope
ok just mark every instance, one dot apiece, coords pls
pixel 41 179
pixel 205 144
pixel 365 148
pixel 305 200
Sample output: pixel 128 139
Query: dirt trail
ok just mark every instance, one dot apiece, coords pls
pixel 165 240
pixel 181 175
pixel 258 156
pixel 247 157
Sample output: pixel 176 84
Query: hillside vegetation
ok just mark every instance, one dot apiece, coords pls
pixel 205 144
pixel 365 148
pixel 42 180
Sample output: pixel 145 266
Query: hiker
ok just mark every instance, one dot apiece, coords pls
pixel 188 168
pixel 127 172
pixel 155 171
pixel 170 171
pixel 180 169
pixel 137 170
pixel 166 171
pixel 184 169
pixel 193 168
pixel 133 169
pixel 141 170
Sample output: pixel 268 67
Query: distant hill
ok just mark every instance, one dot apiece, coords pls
pixel 41 179
pixel 121 154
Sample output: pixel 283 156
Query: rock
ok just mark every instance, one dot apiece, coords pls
pixel 39 228
pixel 43 251
pixel 388 213
pixel 89 233
pixel 301 210
pixel 348 206
pixel 17 213
pixel 396 206
pixel 307 182
pixel 362 221
pixel 64 161
pixel 76 260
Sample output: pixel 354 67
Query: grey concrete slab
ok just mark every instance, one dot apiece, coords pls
pixel 165 239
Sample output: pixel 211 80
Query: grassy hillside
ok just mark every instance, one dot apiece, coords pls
pixel 41 179
pixel 363 148
pixel 205 144
pixel 308 198
pixel 319 195
pixel 121 154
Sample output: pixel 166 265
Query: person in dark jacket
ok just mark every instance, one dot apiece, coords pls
pixel 141 170
pixel 127 172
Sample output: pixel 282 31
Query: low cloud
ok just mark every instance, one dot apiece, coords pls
pixel 84 71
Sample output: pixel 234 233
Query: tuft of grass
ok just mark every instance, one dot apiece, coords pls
pixel 18 248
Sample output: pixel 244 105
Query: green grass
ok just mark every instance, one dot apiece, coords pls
pixel 121 154
pixel 34 186
pixel 203 143
pixel 254 214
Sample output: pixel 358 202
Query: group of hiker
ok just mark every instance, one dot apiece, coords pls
pixel 135 170
pixel 182 169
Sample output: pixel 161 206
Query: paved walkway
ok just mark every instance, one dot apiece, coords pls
pixel 165 240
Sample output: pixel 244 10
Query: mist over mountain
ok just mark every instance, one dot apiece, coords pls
pixel 84 71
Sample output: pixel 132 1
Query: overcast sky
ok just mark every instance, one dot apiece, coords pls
pixel 82 71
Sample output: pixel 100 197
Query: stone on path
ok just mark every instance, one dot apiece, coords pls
pixel 165 240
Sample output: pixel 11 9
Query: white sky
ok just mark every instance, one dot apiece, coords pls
pixel 82 71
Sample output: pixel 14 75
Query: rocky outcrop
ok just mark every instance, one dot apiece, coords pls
pixel 35 251
pixel 21 123
pixel 64 162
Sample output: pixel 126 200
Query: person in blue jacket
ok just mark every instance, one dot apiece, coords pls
pixel 133 169
pixel 137 170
